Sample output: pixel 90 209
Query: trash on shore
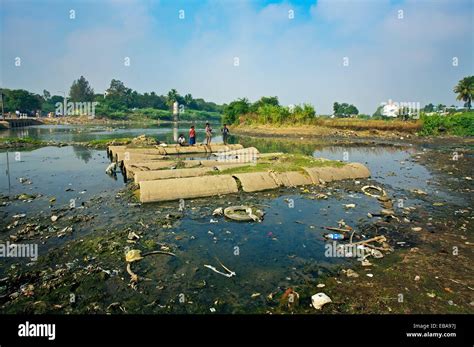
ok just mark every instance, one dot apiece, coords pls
pixel 111 169
pixel 135 255
pixel 318 300
pixel 290 298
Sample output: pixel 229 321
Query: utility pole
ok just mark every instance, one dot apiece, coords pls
pixel 1 99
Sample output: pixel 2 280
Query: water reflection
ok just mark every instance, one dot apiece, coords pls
pixel 83 153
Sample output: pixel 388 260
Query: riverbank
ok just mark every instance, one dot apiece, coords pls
pixel 82 249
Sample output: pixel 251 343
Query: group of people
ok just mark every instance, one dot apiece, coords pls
pixel 192 135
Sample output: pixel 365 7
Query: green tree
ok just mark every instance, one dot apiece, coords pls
pixel 81 91
pixel 465 90
pixel 172 97
pixel 236 109
pixel 188 100
pixel 21 100
pixel 428 108
pixel 118 96
pixel 46 94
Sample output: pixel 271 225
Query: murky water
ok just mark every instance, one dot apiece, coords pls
pixel 265 256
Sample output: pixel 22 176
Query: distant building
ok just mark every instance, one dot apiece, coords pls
pixel 390 110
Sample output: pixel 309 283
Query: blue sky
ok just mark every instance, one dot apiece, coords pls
pixel 408 59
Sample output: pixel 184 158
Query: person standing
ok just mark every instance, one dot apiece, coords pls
pixel 208 134
pixel 192 136
pixel 225 133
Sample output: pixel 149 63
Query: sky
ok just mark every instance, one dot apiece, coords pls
pixel 363 52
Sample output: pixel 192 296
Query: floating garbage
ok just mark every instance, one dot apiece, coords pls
pixel 111 169
pixel 319 300
pixel 419 191
pixel 218 211
pixel 229 273
pixel 243 213
pixel 334 236
pixel 365 190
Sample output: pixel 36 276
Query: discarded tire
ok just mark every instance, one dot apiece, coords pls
pixel 243 214
pixel 366 191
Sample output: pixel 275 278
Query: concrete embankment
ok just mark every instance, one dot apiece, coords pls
pixel 163 176
pixel 193 187
pixel 114 151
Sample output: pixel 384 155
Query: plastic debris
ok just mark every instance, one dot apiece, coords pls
pixel 318 300
pixel 229 273
pixel 334 236
pixel 218 212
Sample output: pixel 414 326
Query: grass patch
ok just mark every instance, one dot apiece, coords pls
pixel 25 140
pixel 107 141
pixel 370 124
pixel 461 124
pixel 284 163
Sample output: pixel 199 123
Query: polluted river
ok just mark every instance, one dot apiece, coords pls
pixel 84 222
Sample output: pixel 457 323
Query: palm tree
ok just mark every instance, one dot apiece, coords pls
pixel 172 97
pixel 188 99
pixel 465 90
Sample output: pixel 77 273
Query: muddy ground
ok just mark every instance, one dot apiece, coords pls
pixel 428 271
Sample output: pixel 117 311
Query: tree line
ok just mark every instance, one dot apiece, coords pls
pixel 117 99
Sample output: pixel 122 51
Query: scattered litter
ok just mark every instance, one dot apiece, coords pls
pixel 218 212
pixel 419 191
pixel 365 189
pixel 212 309
pixel 319 300
pixel 229 273
pixel 235 213
pixel 349 205
pixel 416 229
pixel 24 180
pixel 334 236
pixel 135 255
pixel 321 285
pixel 351 273
pixel 369 275
pixel 21 215
pixel 111 169
pixel 54 218
pixel 213 221
pixel 290 298
pixel 132 236
pixel 417 278
pixel 255 295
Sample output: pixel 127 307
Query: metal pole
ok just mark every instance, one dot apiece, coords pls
pixel 8 174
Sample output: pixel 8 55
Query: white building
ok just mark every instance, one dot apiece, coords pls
pixel 390 110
